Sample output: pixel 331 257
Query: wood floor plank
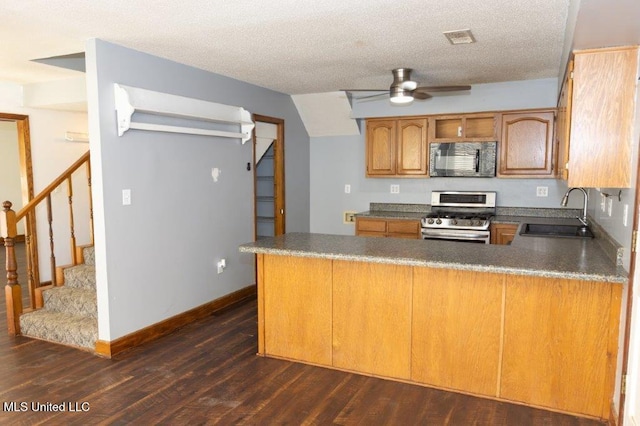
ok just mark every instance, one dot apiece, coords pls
pixel 208 373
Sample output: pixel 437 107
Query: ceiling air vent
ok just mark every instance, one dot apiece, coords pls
pixel 459 36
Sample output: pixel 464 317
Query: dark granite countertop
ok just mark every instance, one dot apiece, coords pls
pixel 582 259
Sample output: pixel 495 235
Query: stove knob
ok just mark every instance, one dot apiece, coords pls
pixel 454 222
pixel 438 221
pixel 430 221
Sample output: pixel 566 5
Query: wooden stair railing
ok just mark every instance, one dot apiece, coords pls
pixel 8 230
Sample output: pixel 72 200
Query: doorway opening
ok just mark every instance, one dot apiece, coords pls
pixel 268 171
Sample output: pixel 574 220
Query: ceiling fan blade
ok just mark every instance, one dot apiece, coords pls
pixel 372 97
pixel 421 95
pixel 436 89
pixel 364 90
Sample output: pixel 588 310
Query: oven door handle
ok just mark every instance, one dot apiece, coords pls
pixel 459 235
pixel 477 160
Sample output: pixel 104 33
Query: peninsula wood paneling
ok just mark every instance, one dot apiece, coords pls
pixel 297 308
pixel 372 318
pixel 557 344
pixel 456 338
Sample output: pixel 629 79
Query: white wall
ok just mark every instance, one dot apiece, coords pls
pixel 51 155
pixel 157 257
pixel 340 160
pixel 10 186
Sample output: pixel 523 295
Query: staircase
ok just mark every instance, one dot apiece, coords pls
pixel 70 312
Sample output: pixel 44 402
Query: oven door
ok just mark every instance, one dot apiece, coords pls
pixel 466 235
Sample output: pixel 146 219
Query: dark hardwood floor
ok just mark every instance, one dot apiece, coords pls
pixel 208 373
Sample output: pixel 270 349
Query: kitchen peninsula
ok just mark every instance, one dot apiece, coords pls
pixel 535 322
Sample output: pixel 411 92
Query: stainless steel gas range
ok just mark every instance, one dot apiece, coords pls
pixel 460 216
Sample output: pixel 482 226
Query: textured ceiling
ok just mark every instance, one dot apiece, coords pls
pixel 297 46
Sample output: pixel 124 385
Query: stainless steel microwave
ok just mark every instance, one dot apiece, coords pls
pixel 459 159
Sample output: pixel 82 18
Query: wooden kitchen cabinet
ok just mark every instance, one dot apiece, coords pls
pixel 526 145
pixel 463 128
pixel 560 343
pixel 456 340
pixel 303 330
pixel 397 147
pixel 372 318
pixel 599 112
pixel 503 233
pixel 563 124
pixel 397 228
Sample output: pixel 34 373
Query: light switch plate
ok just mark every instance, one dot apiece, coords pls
pixel 126 197
pixel 347 189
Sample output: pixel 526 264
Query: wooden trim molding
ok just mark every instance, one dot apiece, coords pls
pixel 613 416
pixel 162 328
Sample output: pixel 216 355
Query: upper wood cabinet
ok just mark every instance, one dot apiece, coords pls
pixel 396 147
pixel 563 124
pixel 526 145
pixel 467 127
pixel 600 113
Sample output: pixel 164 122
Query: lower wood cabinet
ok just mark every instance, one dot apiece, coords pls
pixel 560 343
pixel 296 301
pixel 503 233
pixel 456 329
pixel 396 228
pixel 543 342
pixel 372 318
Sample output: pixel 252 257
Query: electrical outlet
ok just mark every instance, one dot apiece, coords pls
pixel 542 191
pixel 609 206
pixel 349 217
pixel 347 189
pixel 625 215
pixel 395 189
pixel 126 197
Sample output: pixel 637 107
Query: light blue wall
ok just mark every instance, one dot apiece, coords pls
pixel 157 257
pixel 336 161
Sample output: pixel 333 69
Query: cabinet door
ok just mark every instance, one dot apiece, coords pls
pixel 371 227
pixel 372 318
pixel 563 124
pixel 560 343
pixel 503 233
pixel 381 147
pixel 456 339
pixel 403 228
pixel 412 147
pixel 602 117
pixel 526 147
pixel 297 308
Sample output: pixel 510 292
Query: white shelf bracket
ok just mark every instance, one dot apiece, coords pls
pixel 129 100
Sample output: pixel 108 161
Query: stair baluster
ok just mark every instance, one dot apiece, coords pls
pixel 52 258
pixel 90 200
pixel 74 258
pixel 13 292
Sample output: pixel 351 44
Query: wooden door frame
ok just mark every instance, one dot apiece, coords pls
pixel 26 175
pixel 278 174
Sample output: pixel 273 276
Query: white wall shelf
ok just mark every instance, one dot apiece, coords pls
pixel 129 100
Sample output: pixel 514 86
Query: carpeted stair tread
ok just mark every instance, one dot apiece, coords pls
pixel 60 327
pixel 80 276
pixel 76 301
pixel 88 253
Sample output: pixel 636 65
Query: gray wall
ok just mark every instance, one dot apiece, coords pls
pixel 336 161
pixel 157 257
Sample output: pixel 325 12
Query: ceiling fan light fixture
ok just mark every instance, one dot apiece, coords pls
pixel 397 95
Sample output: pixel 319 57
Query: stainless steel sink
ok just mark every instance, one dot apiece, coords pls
pixel 559 231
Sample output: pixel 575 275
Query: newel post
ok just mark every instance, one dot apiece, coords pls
pixel 13 292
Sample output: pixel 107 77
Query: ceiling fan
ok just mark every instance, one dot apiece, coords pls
pixel 404 90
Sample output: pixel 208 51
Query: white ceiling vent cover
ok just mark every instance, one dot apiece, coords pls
pixel 460 36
